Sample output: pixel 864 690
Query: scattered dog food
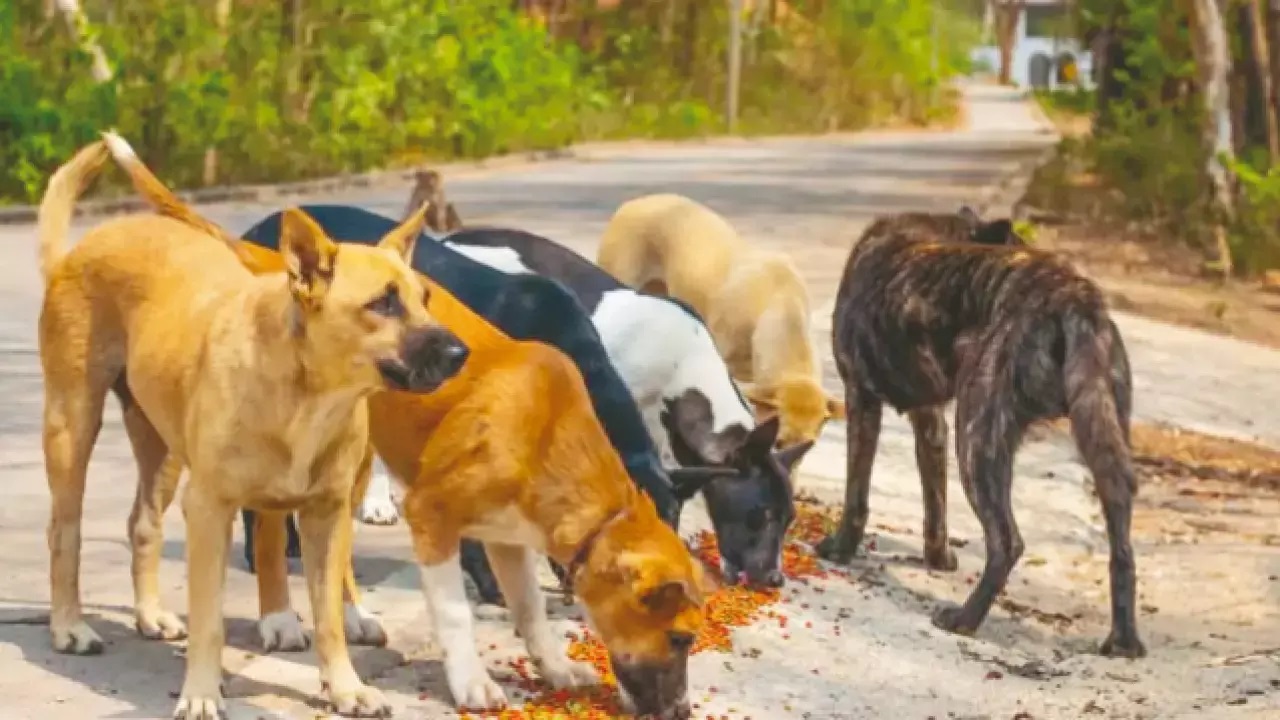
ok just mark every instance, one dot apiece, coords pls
pixel 726 609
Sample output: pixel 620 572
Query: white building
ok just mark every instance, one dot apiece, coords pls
pixel 1044 48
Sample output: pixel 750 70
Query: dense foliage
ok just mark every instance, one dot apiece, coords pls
pixel 1146 147
pixel 308 87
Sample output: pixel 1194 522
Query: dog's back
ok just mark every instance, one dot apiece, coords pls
pixel 671 241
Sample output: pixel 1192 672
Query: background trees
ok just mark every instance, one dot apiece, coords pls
pixel 266 90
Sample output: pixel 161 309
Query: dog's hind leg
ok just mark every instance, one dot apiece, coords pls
pixel 929 425
pixel 986 438
pixel 862 411
pixel 516 570
pixel 476 566
pixel 75 393
pixel 279 625
pixel 158 474
pixel 1099 410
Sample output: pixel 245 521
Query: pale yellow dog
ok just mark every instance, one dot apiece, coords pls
pixel 256 384
pixel 753 301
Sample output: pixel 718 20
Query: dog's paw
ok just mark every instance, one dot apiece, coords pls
pixel 282 631
pixel 949 617
pixel 561 673
pixel 362 627
pixel 1123 645
pixel 78 639
pixel 361 701
pixel 195 707
pixel 159 625
pixel 379 511
pixel 477 691
pixel 835 549
pixel 942 559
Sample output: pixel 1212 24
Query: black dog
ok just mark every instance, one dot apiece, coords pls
pixel 525 307
pixel 936 307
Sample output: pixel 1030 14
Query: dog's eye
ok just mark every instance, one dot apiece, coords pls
pixel 680 640
pixel 387 304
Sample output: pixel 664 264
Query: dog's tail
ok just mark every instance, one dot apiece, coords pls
pixel 59 200
pixel 1093 398
pixel 161 198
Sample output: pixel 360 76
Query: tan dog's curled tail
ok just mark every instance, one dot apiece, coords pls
pixel 161 198
pixel 64 188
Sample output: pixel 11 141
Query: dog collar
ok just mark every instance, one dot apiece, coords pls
pixel 583 552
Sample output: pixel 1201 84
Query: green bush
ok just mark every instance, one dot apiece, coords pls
pixel 341 86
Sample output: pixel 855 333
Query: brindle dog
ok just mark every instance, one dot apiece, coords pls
pixel 939 307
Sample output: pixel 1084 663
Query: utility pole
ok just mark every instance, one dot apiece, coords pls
pixel 735 64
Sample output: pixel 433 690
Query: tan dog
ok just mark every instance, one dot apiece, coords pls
pixel 428 187
pixel 256 384
pixel 754 302
pixel 510 452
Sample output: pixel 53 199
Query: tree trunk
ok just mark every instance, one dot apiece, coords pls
pixel 1262 71
pixel 1214 61
pixel 221 19
pixel 1007 13
pixel 1273 47
pixel 77 24
pixel 735 65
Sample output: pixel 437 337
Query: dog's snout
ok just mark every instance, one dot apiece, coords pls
pixel 428 357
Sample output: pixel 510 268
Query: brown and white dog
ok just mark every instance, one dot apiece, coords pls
pixel 257 384
pixel 509 451
pixel 754 302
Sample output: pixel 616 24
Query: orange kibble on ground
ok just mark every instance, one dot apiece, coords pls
pixel 727 608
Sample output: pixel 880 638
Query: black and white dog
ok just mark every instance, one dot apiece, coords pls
pixel 690 405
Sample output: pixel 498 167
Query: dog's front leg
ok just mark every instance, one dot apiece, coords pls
pixel 209 521
pixel 446 595
pixel 862 411
pixel 362 626
pixel 326 554
pixel 517 573
pixel 929 425
pixel 278 623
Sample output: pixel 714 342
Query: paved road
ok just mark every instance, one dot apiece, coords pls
pixel 809 196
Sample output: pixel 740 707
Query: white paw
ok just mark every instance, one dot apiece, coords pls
pixel 562 673
pixel 79 639
pixel 200 708
pixel 362 701
pixel 282 630
pixel 378 510
pixel 362 627
pixel 476 691
pixel 160 625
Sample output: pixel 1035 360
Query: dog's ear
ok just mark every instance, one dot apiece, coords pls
pixel 688 481
pixel 451 219
pixel 760 440
pixel 835 408
pixel 663 591
pixel 997 232
pixel 402 239
pixel 789 457
pixel 309 256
